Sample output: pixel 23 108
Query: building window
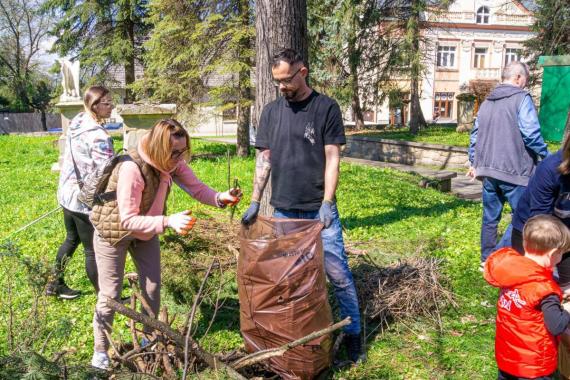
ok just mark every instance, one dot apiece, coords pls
pixel 480 58
pixel 512 55
pixel 443 105
pixel 483 15
pixel 446 56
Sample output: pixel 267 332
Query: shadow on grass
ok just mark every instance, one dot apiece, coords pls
pixel 402 212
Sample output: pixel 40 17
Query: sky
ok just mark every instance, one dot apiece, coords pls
pixel 45 58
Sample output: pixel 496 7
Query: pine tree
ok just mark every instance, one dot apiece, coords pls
pixel 552 29
pixel 101 34
pixel 352 54
pixel 362 48
pixel 200 52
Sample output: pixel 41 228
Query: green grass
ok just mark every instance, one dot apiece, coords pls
pixel 382 211
pixel 434 135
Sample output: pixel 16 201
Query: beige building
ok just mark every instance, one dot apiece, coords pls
pixel 469 44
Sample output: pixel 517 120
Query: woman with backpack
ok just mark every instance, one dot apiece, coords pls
pixel 87 147
pixel 133 220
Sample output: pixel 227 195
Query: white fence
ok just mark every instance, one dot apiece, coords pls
pixel 27 122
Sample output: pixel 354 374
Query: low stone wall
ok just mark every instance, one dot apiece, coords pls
pixel 406 152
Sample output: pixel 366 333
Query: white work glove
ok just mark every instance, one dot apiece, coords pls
pixel 181 222
pixel 230 198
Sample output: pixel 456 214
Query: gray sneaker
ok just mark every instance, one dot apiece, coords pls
pixel 100 360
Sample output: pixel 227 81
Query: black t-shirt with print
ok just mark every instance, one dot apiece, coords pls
pixel 296 133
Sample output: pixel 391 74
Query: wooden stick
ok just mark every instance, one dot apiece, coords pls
pixel 279 351
pixel 202 354
pixel 144 304
pixel 190 320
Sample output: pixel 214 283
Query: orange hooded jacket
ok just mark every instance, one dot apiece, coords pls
pixel 523 345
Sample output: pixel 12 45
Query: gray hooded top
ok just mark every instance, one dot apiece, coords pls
pixel 500 150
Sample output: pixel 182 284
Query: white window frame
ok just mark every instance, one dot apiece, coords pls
pixel 512 54
pixel 483 15
pixel 445 58
pixel 477 60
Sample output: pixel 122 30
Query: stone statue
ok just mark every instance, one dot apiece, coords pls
pixel 70 80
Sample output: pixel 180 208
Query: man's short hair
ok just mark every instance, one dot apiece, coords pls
pixel 514 68
pixel 290 56
pixel 542 233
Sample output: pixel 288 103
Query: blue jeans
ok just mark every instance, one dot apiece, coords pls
pixel 495 194
pixel 336 265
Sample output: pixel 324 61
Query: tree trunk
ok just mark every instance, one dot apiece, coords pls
pixel 417 119
pixel 44 120
pixel 130 64
pixel 244 92
pixel 278 24
pixel 243 116
pixel 355 102
pixel 353 63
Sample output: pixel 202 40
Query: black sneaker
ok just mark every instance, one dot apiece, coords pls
pixel 62 291
pixel 354 348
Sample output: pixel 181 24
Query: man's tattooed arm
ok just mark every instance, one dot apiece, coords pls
pixel 262 171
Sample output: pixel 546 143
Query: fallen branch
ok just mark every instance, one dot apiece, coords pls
pixel 203 355
pixel 279 351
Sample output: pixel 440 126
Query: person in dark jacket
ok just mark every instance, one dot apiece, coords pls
pixel 548 192
pixel 505 146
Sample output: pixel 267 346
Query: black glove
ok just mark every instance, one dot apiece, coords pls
pixel 326 213
pixel 250 214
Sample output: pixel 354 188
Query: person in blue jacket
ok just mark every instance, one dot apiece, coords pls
pixel 548 192
pixel 505 146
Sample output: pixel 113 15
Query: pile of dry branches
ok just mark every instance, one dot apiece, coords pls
pixel 171 351
pixel 408 289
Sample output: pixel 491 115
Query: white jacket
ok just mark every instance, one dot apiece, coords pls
pixel 91 146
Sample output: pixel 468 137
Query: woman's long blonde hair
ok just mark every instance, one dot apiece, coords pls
pixel 92 97
pixel 158 145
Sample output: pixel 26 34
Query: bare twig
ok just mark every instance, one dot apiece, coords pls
pixel 144 304
pixel 190 320
pixel 202 354
pixel 217 305
pixel 279 351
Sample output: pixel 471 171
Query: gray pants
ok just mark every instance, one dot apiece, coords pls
pixel 111 268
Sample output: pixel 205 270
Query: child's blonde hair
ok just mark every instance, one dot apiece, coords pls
pixel 158 145
pixel 542 233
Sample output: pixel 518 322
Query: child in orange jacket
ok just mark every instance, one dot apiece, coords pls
pixel 530 316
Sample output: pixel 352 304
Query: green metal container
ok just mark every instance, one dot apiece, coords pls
pixel 555 96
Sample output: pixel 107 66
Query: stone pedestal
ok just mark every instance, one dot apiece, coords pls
pixel 68 111
pixel 139 118
pixel 465 115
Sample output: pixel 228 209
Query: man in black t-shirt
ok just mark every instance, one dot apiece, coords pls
pixel 299 138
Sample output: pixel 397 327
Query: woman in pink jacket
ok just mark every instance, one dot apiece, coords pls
pixel 164 148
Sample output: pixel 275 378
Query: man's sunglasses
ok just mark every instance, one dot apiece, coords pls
pixel 286 81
